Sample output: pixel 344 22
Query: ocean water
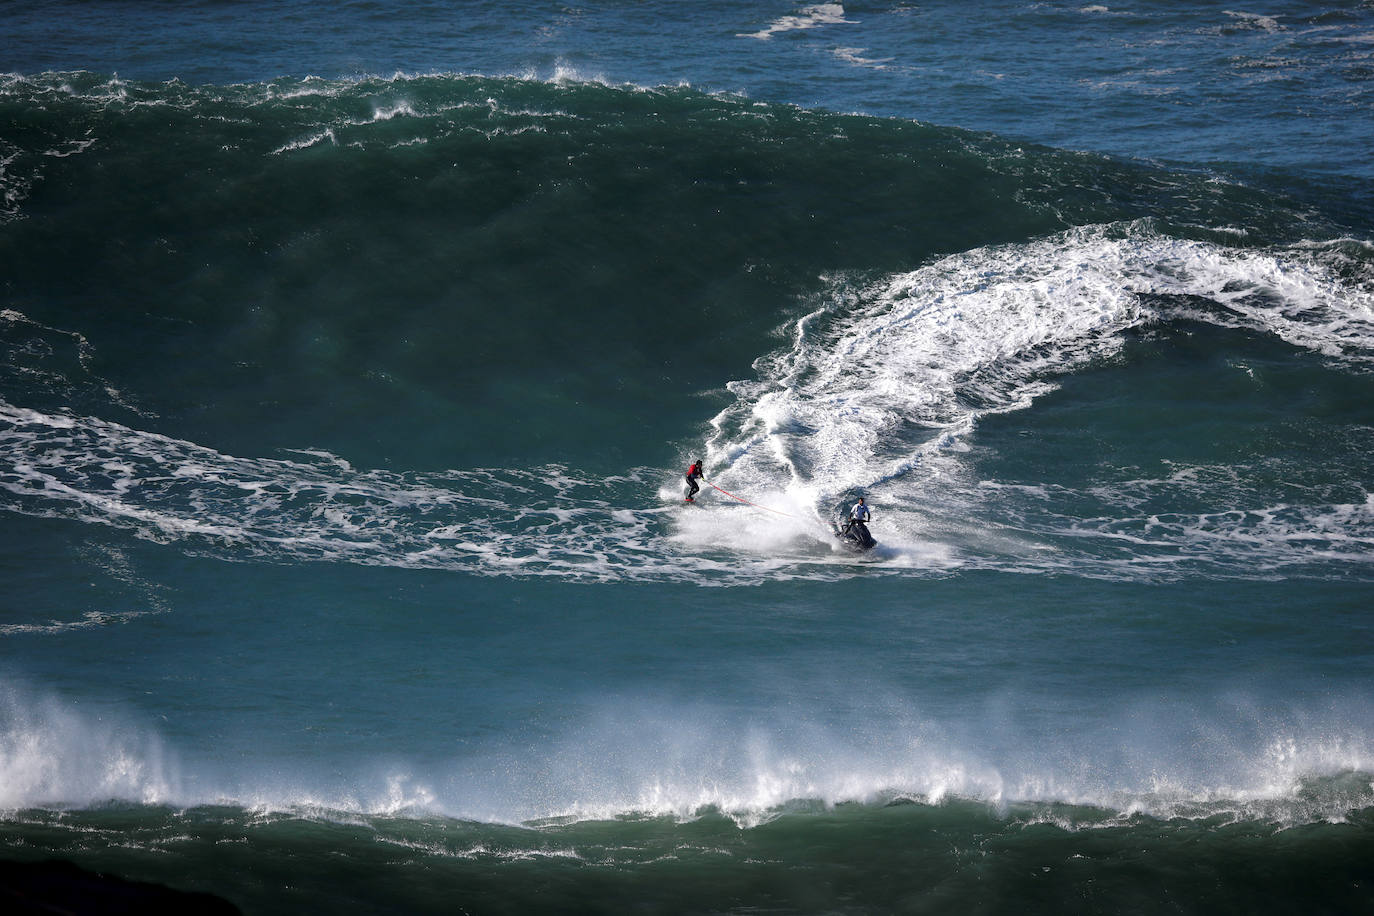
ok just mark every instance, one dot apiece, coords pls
pixel 351 356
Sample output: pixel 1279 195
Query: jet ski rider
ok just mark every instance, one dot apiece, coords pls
pixel 859 515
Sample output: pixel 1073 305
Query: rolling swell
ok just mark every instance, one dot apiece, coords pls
pixel 901 858
pixel 863 810
pixel 888 388
pixel 445 247
pixel 492 273
pixel 759 823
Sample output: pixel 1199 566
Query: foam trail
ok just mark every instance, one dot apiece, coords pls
pixel 883 386
pixel 809 17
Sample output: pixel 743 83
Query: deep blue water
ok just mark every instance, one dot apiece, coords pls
pixel 350 359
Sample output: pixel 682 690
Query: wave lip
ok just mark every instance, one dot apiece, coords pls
pixel 52 755
pixel 639 762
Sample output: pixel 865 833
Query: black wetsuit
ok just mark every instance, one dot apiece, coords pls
pixel 692 474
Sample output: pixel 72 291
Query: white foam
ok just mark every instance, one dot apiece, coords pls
pixel 315 139
pixel 1256 21
pixel 856 56
pixel 640 757
pixel 401 109
pixel 882 388
pixel 808 17
pixel 52 754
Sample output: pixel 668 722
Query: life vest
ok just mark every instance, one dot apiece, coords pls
pixel 694 469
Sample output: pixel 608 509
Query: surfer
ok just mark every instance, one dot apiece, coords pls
pixel 693 474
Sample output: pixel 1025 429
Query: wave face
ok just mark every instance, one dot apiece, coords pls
pixel 487 243
pixel 342 430
pixel 882 390
pixel 511 267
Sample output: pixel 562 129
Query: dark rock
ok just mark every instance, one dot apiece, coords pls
pixel 57 887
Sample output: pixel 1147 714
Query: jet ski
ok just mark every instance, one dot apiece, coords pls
pixel 855 536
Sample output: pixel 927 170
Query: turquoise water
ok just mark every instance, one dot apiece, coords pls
pixel 350 360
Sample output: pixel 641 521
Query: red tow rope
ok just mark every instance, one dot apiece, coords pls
pixel 748 503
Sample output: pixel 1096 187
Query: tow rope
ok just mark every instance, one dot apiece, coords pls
pixel 748 503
